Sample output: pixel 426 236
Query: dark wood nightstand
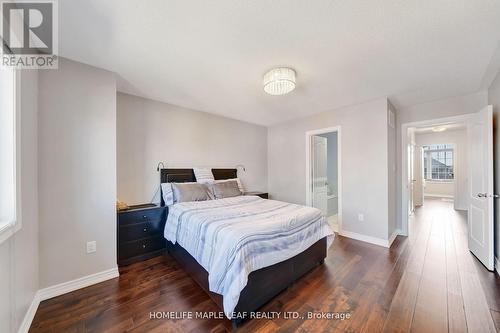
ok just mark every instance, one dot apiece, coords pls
pixel 140 233
pixel 263 195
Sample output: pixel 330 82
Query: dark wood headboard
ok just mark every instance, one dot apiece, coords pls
pixel 187 175
pixel 177 175
pixel 220 174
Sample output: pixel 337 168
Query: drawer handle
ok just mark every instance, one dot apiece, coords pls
pixel 145 229
pixel 143 246
pixel 144 217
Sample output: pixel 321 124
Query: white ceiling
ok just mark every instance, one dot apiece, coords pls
pixel 211 55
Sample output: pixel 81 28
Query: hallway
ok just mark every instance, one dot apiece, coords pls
pixel 444 287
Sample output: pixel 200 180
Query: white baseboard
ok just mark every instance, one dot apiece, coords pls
pixel 63 288
pixel 369 239
pixel 393 237
pixel 438 196
pixel 30 314
pixel 76 284
pixel 497 265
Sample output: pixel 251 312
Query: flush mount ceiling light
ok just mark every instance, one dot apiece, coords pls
pixel 279 81
pixel 439 129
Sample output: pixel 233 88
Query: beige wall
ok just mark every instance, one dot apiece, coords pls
pixel 149 132
pixel 494 99
pixel 364 185
pixel 77 171
pixel 439 189
pixel 19 254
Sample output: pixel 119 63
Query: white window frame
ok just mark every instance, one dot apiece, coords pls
pixel 429 164
pixel 9 227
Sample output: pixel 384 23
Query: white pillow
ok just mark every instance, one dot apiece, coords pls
pixel 240 185
pixel 168 195
pixel 203 175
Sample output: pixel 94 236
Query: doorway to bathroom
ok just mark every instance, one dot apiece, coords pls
pixel 324 173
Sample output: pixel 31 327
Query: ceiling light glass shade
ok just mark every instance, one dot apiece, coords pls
pixel 279 81
pixel 439 129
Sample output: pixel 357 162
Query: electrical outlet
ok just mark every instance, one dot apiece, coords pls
pixel 91 247
pixel 361 217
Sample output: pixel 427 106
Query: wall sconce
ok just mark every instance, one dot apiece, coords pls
pixel 158 166
pixel 241 166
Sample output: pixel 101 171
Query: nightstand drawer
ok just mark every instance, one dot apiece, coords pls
pixel 140 247
pixel 130 232
pixel 141 216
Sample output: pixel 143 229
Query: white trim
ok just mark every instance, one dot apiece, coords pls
pixel 404 162
pixel 437 195
pixel 308 136
pixel 497 265
pixel 6 230
pixel 393 237
pixel 9 229
pixel 30 314
pixel 66 287
pixel 369 239
pixel 18 146
pixel 63 288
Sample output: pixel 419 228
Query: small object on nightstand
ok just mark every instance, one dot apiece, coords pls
pixel 140 233
pixel 263 195
pixel 120 205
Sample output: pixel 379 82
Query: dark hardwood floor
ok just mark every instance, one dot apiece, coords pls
pixel 427 282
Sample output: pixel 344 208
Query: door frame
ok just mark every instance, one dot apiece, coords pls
pixel 309 135
pixel 404 156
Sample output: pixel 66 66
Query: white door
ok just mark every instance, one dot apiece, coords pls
pixel 480 215
pixel 418 173
pixel 411 178
pixel 319 175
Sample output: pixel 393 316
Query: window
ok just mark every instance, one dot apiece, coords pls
pixel 8 153
pixel 439 162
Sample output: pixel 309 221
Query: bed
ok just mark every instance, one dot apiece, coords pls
pixel 253 248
